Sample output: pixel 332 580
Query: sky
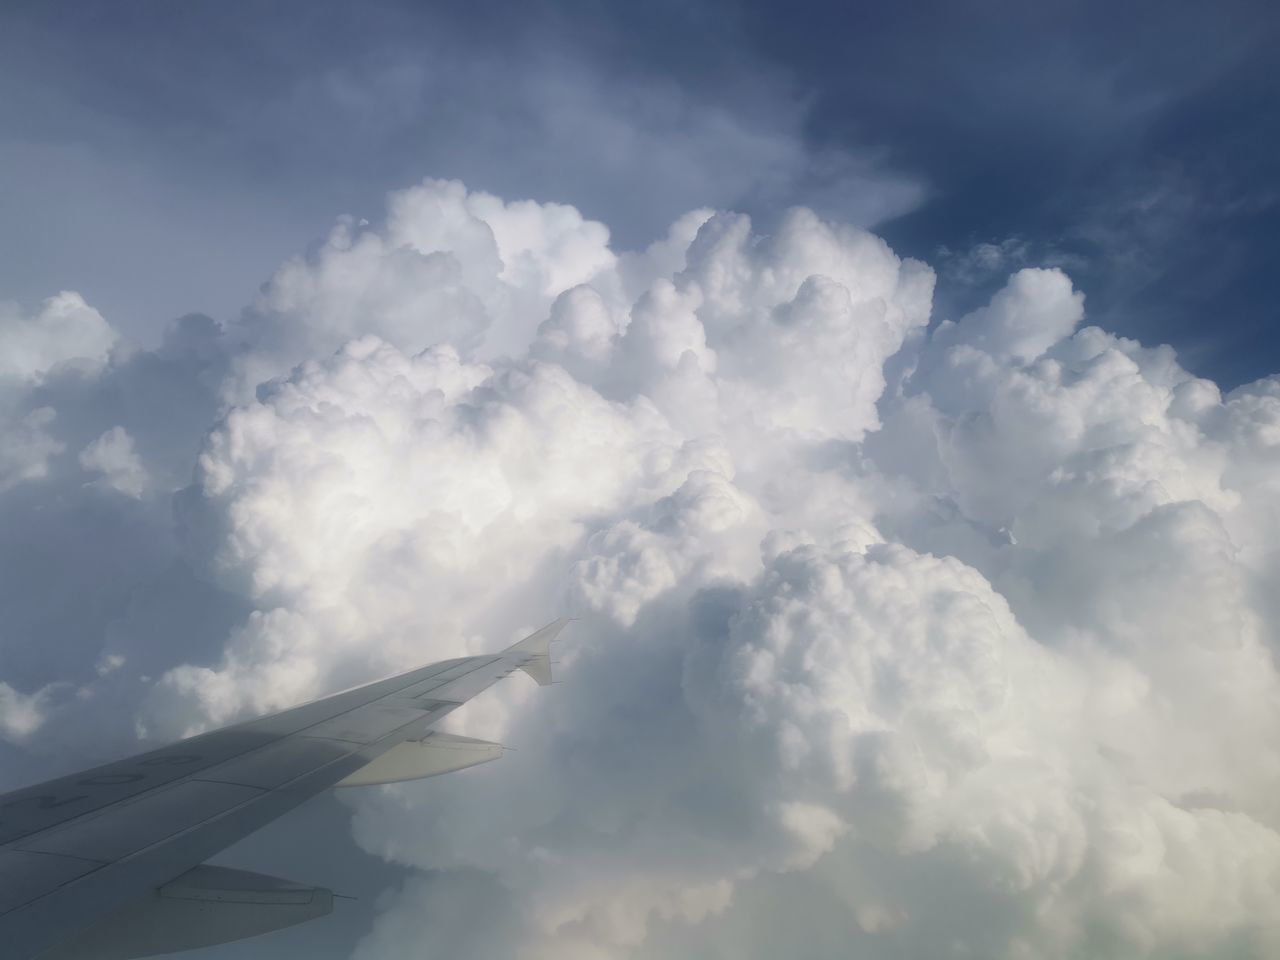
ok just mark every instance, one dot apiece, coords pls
pixel 891 391
pixel 1133 144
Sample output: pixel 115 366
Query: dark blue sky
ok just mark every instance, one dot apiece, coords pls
pixel 163 158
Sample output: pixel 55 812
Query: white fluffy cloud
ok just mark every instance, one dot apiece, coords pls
pixel 964 635
pixel 65 335
pixel 65 331
pixel 448 266
pixel 113 456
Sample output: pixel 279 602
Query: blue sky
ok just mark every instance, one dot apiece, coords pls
pixel 162 158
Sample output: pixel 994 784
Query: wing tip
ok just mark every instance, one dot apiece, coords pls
pixel 538 648
pixel 540 669
pixel 539 642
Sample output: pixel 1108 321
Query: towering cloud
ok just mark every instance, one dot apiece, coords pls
pixel 929 643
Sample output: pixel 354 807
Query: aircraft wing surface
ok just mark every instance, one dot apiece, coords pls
pixel 106 863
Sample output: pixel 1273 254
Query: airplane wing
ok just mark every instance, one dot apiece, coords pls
pixel 107 864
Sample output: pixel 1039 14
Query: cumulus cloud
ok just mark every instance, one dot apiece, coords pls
pixel 65 331
pixel 113 456
pixel 65 335
pixel 949 643
pixel 447 266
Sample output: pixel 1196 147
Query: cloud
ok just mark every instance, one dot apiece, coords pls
pixel 20 714
pixel 65 335
pixel 27 446
pixel 923 643
pixel 65 331
pixel 447 266
pixel 113 456
pixel 1036 309
pixel 584 107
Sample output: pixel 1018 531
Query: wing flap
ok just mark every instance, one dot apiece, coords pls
pixel 368 723
pixel 24 876
pixel 275 765
pixel 434 754
pixel 205 906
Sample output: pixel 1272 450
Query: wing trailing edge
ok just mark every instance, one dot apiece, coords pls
pixel 434 754
pixel 205 906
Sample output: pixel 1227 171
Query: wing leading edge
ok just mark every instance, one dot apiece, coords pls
pixel 85 852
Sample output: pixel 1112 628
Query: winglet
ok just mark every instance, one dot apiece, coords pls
pixel 540 669
pixel 537 646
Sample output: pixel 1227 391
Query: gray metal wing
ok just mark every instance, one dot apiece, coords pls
pixel 90 848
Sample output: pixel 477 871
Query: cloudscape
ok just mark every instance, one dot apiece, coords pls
pixel 921 611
